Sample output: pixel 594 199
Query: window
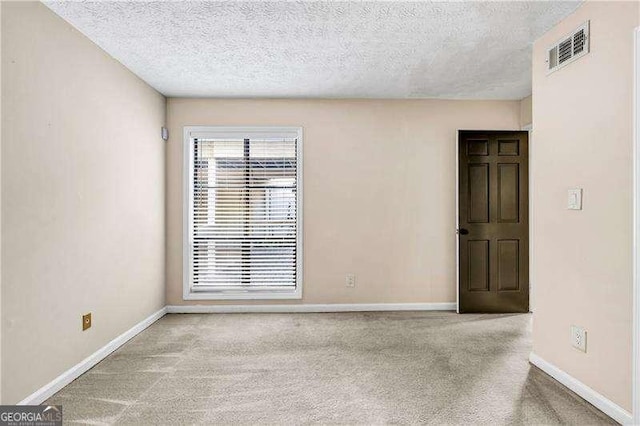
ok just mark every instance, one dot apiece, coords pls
pixel 243 235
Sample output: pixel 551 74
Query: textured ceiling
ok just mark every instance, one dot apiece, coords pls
pixel 455 50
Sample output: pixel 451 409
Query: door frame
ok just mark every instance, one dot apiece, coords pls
pixel 526 128
pixel 635 402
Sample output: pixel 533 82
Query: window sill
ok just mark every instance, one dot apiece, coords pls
pixel 243 295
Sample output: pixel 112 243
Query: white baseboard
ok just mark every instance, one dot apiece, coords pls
pixel 48 390
pixel 605 405
pixel 335 307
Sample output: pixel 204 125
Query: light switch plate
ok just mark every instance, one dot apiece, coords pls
pixel 574 199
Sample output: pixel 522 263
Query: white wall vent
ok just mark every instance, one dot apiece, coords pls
pixel 569 48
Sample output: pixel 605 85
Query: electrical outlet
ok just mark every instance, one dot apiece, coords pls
pixel 579 338
pixel 351 280
pixel 86 321
pixel 574 199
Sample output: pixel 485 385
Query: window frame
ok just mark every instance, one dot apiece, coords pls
pixel 191 132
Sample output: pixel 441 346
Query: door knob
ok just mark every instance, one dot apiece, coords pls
pixel 463 231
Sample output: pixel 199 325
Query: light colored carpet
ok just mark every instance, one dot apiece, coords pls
pixel 337 368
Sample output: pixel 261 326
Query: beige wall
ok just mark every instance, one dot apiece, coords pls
pixel 582 120
pixel 379 190
pixel 82 198
pixel 525 112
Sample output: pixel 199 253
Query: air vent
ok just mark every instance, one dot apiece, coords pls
pixel 579 40
pixel 569 48
pixel 565 51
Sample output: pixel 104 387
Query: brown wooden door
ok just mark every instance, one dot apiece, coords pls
pixel 493 221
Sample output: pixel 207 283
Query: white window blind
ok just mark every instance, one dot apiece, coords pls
pixel 244 213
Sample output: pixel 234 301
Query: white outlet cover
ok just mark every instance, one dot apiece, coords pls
pixel 350 280
pixel 579 338
pixel 574 199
